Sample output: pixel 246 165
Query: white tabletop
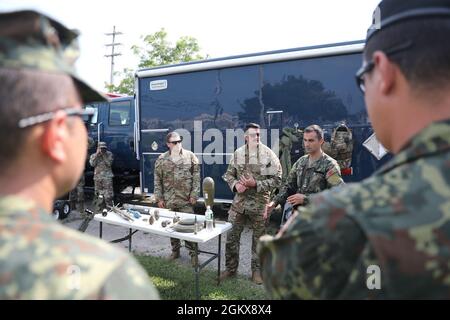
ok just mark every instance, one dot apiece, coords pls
pixel 156 228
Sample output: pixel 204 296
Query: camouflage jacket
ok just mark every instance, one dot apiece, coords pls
pixel 42 259
pixel 398 221
pixel 102 164
pixel 177 181
pixel 265 168
pixel 305 179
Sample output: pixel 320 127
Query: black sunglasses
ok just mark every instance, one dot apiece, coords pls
pixel 174 142
pixel 85 114
pixel 254 135
pixel 368 67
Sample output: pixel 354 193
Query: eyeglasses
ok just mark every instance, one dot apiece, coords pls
pixel 368 67
pixel 175 142
pixel 85 114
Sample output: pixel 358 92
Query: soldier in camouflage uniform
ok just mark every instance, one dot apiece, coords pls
pixel 177 185
pixel 103 176
pixel 388 236
pixel 254 171
pixel 312 173
pixel 42 156
pixel 76 196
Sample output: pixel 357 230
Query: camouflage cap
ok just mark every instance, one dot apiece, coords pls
pixel 390 12
pixel 102 144
pixel 31 40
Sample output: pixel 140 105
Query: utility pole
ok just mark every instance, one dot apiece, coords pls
pixel 113 54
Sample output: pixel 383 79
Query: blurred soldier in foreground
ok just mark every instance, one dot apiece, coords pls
pixel 388 236
pixel 103 176
pixel 312 173
pixel 177 185
pixel 254 171
pixel 42 155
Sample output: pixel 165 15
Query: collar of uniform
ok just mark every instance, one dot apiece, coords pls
pixel 247 152
pixel 315 163
pixel 248 148
pixel 166 155
pixel 169 154
pixel 18 206
pixel 433 139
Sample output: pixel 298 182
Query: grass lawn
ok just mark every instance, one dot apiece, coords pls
pixel 177 282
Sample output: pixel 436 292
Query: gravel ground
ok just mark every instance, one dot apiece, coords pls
pixel 159 246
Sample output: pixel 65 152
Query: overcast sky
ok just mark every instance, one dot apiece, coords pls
pixel 222 28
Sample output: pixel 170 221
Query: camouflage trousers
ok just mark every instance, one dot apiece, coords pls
pixel 257 223
pixel 176 243
pixel 104 188
pixel 76 196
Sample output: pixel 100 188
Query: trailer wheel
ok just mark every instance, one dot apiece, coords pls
pixel 65 210
pixel 56 213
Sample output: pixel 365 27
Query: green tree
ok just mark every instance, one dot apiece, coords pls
pixel 157 51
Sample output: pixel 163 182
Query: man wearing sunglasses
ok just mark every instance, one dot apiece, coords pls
pixel 177 186
pixel 388 236
pixel 42 155
pixel 253 173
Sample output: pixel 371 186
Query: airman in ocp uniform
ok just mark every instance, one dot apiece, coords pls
pixel 253 173
pixel 177 185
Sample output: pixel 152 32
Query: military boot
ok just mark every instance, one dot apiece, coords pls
pixel 256 277
pixel 227 275
pixel 174 255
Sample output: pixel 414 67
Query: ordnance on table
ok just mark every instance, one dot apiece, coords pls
pixel 104 212
pixel 135 213
pixel 208 191
pixel 156 214
pixel 138 208
pixel 151 220
pixel 189 224
pixel 176 218
pixel 195 225
pixel 165 223
pixel 122 213
pixel 209 194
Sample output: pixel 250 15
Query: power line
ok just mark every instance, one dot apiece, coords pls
pixel 113 54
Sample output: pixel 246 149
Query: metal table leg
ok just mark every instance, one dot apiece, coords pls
pixel 218 260
pixel 101 229
pixel 129 241
pixel 196 269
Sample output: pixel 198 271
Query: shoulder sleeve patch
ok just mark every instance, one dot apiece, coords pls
pixel 332 172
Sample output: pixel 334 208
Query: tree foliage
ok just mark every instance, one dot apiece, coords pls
pixel 156 51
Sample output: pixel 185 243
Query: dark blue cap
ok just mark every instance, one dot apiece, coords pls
pixel 390 12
